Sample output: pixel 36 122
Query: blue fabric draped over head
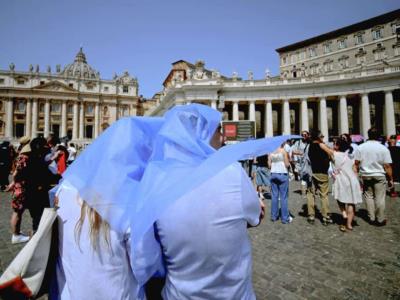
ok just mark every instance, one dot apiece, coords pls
pixel 139 166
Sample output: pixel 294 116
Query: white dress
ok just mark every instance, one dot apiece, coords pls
pixel 346 187
pixel 205 241
pixel 83 273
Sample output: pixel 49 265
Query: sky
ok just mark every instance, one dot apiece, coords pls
pixel 144 37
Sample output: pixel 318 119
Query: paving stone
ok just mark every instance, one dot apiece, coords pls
pixel 299 260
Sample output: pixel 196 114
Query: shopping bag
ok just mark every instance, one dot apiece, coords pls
pixel 29 274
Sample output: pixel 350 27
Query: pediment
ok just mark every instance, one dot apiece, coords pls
pixel 55 86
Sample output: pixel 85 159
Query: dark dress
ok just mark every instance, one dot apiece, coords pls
pixel 395 155
pixel 37 188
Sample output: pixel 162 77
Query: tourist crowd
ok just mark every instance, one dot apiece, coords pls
pixel 359 172
pixel 35 167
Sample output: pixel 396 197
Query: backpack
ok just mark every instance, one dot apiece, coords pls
pixel 305 170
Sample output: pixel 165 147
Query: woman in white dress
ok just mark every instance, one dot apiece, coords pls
pixel 346 187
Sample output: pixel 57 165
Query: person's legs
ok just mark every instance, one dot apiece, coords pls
pixel 350 215
pixel 368 193
pixel 16 218
pixel 283 191
pixel 310 194
pixel 274 197
pixel 380 196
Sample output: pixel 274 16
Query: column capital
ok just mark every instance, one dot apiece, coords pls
pixel 387 91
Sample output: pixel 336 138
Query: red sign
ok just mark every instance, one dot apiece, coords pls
pixel 230 130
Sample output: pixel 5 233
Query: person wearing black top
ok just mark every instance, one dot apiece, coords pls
pixel 319 159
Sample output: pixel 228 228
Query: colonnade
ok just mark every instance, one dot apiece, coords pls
pixel 304 124
pixel 32 118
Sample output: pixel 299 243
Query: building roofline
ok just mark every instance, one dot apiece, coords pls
pixel 387 17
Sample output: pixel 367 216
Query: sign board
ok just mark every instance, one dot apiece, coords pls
pixel 238 131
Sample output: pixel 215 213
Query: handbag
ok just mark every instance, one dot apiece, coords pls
pixel 31 271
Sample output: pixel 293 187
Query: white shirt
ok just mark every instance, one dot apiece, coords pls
pixel 372 155
pixel 71 153
pixel 83 273
pixel 205 241
pixel 278 163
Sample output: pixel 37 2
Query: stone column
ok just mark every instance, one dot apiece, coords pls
pixel 214 104
pixel 343 115
pixel 75 121
pixel 28 118
pixel 35 110
pixel 269 130
pixel 9 118
pixel 389 113
pixel 81 120
pixel 96 119
pixel 46 118
pixel 323 118
pixel 63 118
pixel 235 111
pixel 285 117
pixel 365 115
pixel 252 110
pixel 304 114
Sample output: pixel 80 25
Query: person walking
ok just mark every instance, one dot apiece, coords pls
pixel 7 155
pixel 71 153
pixel 19 195
pixel 299 157
pixel 278 162
pixel 395 155
pixel 346 188
pixel 319 160
pixel 374 164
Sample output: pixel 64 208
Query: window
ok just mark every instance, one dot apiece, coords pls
pixel 312 51
pixel 20 81
pixel 377 34
pixel 21 106
pixel 328 65
pixel 125 89
pixel 41 82
pixel 328 47
pixel 344 61
pixel 1 80
pixel 359 39
pixel 89 108
pixel 70 109
pixel 55 107
pixel 71 85
pixel 313 69
pixel 342 44
pixel 90 87
pixel 106 89
pixel 41 107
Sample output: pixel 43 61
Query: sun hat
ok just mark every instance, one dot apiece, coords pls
pixel 24 140
pixel 25 149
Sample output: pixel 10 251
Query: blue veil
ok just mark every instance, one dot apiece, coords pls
pixel 139 166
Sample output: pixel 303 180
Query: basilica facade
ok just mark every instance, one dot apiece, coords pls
pixel 72 102
pixel 344 81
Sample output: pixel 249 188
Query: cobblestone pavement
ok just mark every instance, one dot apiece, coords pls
pixel 299 260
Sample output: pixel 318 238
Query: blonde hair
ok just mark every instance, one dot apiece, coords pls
pixel 97 226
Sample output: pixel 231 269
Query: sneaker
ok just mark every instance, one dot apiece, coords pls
pixel 311 219
pixel 290 220
pixel 326 221
pixel 381 224
pixel 19 238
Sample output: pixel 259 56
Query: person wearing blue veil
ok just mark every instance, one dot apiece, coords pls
pixel 199 210
pixel 94 249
